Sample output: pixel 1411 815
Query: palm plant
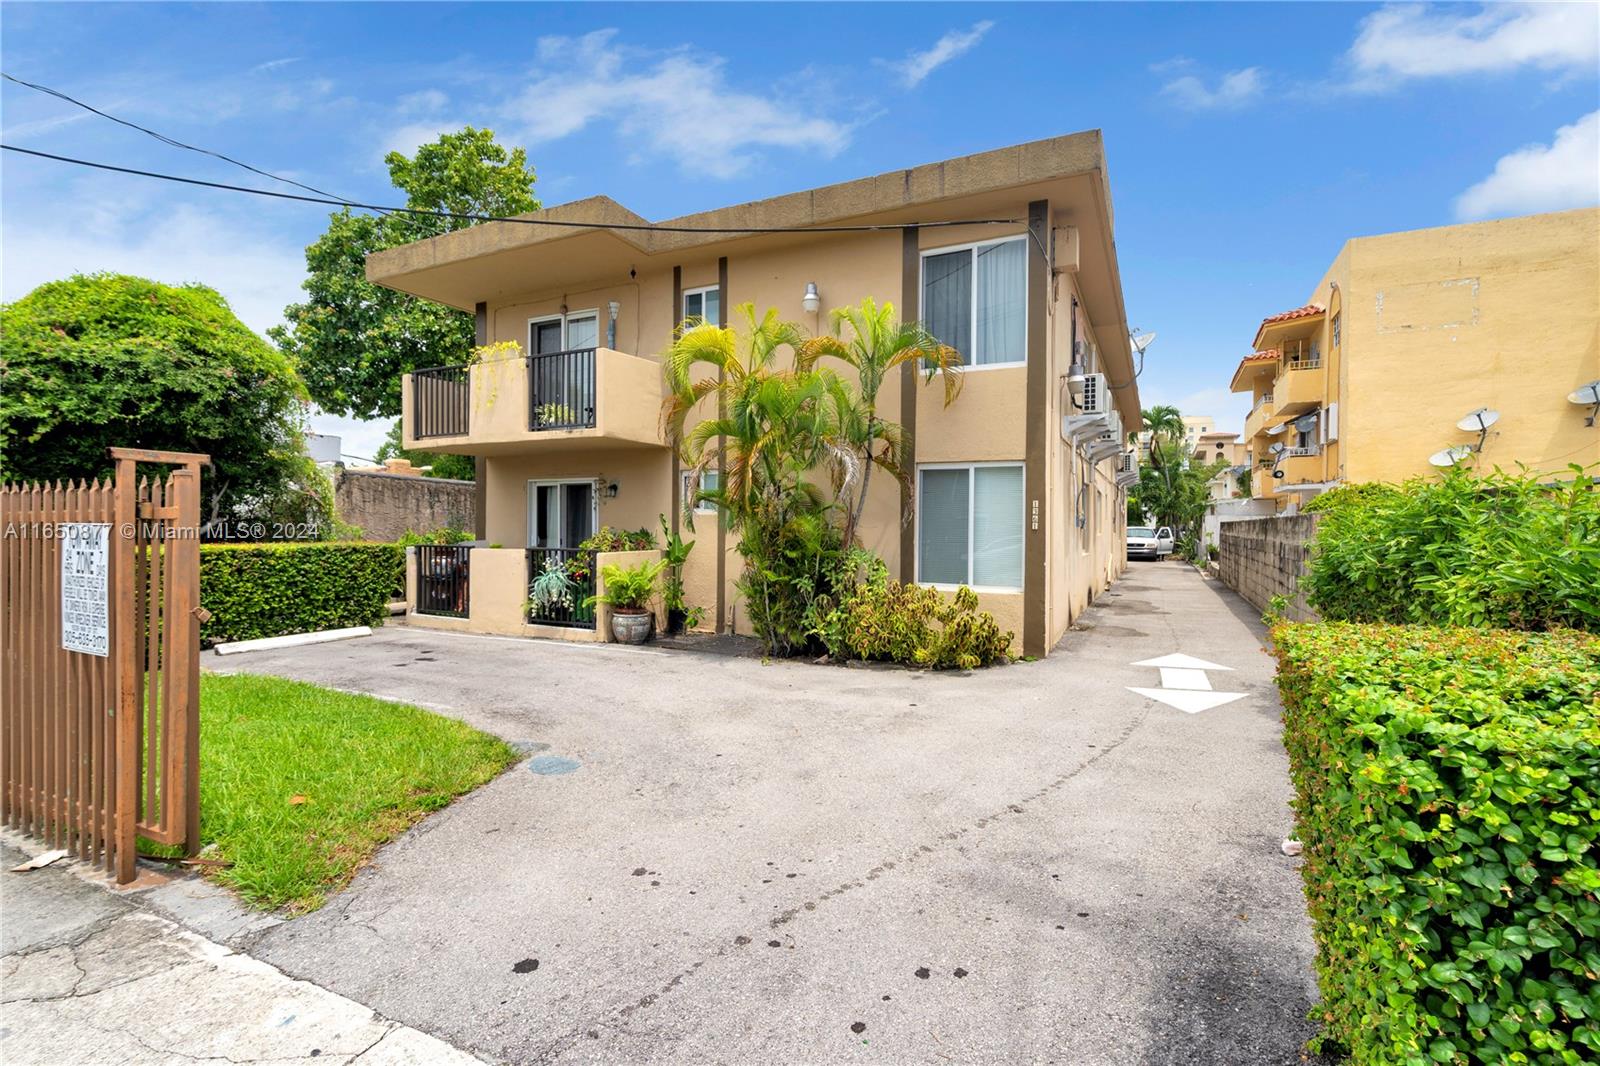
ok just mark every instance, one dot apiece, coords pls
pixel 771 427
pixel 877 346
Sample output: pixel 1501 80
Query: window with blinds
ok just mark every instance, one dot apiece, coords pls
pixel 970 525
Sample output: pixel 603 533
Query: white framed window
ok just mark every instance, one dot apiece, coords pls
pixel 709 480
pixel 564 333
pixel 704 304
pixel 970 525
pixel 975 299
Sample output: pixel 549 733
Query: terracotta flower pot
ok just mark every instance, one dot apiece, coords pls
pixel 631 625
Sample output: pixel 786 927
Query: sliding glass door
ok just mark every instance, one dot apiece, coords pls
pixel 561 514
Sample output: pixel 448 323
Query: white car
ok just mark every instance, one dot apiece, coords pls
pixel 1146 542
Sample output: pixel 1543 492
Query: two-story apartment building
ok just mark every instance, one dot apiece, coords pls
pixel 1379 375
pixel 1008 256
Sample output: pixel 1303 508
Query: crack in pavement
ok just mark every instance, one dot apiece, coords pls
pixel 904 858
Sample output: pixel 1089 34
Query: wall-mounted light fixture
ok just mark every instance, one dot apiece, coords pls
pixel 611 327
pixel 811 301
pixel 611 490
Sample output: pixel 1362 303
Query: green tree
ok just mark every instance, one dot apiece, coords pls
pixel 459 467
pixel 1164 423
pixel 351 340
pixel 772 427
pixel 103 360
pixel 878 345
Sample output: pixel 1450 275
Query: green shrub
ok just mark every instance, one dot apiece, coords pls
pixel 1501 551
pixel 448 535
pixel 269 590
pixel 1448 800
pixel 913 624
pixel 606 539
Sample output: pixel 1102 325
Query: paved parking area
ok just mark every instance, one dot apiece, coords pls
pixel 741 862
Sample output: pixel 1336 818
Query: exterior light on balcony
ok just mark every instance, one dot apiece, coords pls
pixel 611 326
pixel 811 301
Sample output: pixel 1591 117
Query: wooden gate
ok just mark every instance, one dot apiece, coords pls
pixel 100 643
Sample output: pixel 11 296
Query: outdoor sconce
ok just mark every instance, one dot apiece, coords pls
pixel 811 301
pixel 611 491
pixel 611 327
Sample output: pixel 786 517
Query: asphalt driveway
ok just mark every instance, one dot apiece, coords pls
pixel 712 859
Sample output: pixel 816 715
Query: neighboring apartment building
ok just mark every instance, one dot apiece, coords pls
pixel 1407 335
pixel 1019 495
pixel 1212 446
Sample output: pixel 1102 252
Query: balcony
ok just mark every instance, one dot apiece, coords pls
pixel 588 397
pixel 1301 386
pixel 1256 420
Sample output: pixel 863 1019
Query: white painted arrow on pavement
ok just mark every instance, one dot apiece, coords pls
pixel 1184 683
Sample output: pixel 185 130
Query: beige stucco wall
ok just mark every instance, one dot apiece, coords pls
pixel 987 423
pixel 1501 314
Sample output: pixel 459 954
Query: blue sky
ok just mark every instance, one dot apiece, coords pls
pixel 1245 142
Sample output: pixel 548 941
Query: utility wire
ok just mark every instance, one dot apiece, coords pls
pixel 162 137
pixel 646 227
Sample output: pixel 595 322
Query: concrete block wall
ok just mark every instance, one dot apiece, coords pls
pixel 1265 557
pixel 386 505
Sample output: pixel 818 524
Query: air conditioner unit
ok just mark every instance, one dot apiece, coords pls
pixel 1130 462
pixel 1096 396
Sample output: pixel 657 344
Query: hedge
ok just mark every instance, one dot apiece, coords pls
pixel 268 590
pixel 1504 551
pixel 1448 801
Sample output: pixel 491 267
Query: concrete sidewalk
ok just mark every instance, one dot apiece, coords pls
pixel 712 859
pixel 88 978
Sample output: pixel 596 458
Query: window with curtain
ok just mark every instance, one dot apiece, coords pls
pixel 975 300
pixel 970 526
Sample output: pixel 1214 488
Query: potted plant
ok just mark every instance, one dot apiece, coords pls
pixel 676 552
pixel 628 590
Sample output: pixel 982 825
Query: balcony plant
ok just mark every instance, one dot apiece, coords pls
pixel 628 591
pixel 551 589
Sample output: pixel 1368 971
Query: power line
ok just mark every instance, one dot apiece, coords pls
pixel 162 137
pixel 334 201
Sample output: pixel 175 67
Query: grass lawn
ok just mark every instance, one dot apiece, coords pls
pixel 299 785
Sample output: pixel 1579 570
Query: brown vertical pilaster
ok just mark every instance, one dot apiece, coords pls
pixel 722 458
pixel 677 462
pixel 480 473
pixel 1035 580
pixel 910 309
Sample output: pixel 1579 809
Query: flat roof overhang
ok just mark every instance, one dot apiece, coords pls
pixel 497 261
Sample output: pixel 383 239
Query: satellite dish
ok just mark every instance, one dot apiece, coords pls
pixel 1585 394
pixel 1141 342
pixel 1306 423
pixel 1450 456
pixel 1278 448
pixel 1478 420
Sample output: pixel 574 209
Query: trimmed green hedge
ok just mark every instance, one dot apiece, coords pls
pixel 269 590
pixel 1448 801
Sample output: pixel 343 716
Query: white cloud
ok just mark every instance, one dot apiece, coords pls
pixel 101 227
pixel 273 64
pixel 1416 41
pixel 422 102
pixel 918 65
pixel 1541 177
pixel 1235 89
pixel 676 105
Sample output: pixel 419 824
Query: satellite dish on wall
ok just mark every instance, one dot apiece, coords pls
pixel 1450 456
pixel 1478 420
pixel 1278 447
pixel 1585 394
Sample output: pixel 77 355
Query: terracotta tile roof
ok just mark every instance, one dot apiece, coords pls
pixel 1253 359
pixel 1261 357
pixel 1299 312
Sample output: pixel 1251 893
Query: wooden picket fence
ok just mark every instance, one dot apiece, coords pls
pixel 100 746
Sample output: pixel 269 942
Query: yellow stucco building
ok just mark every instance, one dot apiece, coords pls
pixel 1407 335
pixel 1008 256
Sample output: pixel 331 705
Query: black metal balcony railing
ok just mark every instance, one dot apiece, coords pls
pixel 561 390
pixel 560 580
pixel 443 579
pixel 440 402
